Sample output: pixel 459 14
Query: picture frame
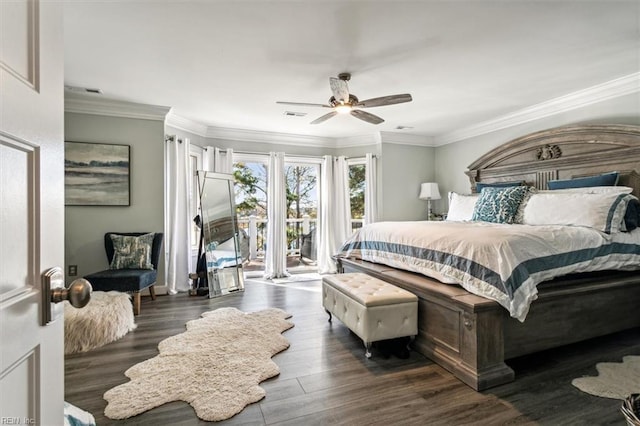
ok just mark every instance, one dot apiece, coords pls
pixel 96 174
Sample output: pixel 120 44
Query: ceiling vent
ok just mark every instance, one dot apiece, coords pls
pixel 83 90
pixel 294 114
pixel 403 127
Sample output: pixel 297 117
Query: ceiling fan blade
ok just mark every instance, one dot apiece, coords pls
pixel 340 89
pixel 365 116
pixel 324 117
pixel 385 100
pixel 304 104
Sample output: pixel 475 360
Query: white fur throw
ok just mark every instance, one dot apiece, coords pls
pixel 106 318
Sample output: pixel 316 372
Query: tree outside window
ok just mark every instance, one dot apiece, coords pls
pixel 356 193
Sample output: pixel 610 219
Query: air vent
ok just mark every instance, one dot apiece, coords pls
pixel 403 127
pixel 83 90
pixel 294 114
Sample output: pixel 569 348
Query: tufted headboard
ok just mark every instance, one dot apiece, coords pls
pixel 564 153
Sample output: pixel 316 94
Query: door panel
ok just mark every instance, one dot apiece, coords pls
pixel 16 258
pixel 31 208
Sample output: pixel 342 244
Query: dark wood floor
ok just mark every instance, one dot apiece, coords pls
pixel 325 378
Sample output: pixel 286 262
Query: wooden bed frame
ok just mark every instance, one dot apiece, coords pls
pixel 472 336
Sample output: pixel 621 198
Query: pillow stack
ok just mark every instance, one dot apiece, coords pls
pixel 592 202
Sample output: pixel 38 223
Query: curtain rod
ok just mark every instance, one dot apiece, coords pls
pixel 224 150
pixel 172 138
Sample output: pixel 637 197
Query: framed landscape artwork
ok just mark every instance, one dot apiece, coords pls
pixel 96 174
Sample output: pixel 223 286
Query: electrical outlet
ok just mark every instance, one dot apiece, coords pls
pixel 73 270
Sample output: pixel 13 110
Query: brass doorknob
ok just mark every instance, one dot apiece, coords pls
pixel 78 293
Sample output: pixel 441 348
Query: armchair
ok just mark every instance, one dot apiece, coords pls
pixel 127 277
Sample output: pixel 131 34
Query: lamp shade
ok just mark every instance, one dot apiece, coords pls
pixel 429 191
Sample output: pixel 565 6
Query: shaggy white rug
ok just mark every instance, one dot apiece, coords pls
pixel 216 366
pixel 614 380
pixel 107 317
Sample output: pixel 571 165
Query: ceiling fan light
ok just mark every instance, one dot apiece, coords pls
pixel 343 109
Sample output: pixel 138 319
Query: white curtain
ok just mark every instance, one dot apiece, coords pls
pixel 371 190
pixel 335 211
pixel 177 221
pixel 223 160
pixel 208 158
pixel 218 160
pixel 324 235
pixel 276 252
pixel 342 205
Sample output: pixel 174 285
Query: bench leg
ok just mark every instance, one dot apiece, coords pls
pixel 367 353
pixel 136 303
pixel 152 292
pixel 327 311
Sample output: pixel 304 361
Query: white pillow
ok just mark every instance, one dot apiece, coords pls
pixel 461 206
pixel 601 211
pixel 595 190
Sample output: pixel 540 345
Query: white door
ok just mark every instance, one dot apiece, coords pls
pixel 31 209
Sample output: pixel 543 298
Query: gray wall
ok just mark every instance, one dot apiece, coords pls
pixel 401 170
pixel 85 226
pixel 453 159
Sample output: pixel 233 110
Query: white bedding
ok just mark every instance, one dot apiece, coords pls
pixel 223 255
pixel 498 261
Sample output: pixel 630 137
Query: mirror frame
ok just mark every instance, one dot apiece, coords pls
pixel 219 278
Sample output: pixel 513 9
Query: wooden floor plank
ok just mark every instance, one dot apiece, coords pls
pixel 325 378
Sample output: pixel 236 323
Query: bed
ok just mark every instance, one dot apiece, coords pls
pixel 471 335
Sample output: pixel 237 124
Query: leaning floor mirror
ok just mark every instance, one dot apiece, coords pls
pixel 221 236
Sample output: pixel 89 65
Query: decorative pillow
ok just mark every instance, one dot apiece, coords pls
pixel 131 252
pixel 606 179
pixel 601 211
pixel 631 218
pixel 480 186
pixel 499 205
pixel 461 206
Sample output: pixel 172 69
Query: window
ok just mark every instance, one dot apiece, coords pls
pixel 301 175
pixel 250 172
pixel 302 203
pixel 357 170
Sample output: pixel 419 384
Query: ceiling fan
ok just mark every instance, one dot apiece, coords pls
pixel 343 102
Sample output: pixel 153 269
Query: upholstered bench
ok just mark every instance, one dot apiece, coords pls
pixel 373 309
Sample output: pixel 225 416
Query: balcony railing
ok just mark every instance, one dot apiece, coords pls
pixel 256 229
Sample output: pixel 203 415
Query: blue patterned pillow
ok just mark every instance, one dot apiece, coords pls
pixel 132 252
pixel 499 205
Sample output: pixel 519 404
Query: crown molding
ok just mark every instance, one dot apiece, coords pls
pixel 96 105
pixel 406 139
pixel 269 137
pixel 612 89
pixel 360 140
pixel 182 123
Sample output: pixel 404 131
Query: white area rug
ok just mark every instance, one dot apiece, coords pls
pixel 615 380
pixel 216 366
pixel 107 317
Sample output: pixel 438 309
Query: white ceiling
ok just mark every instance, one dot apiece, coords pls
pixel 226 63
